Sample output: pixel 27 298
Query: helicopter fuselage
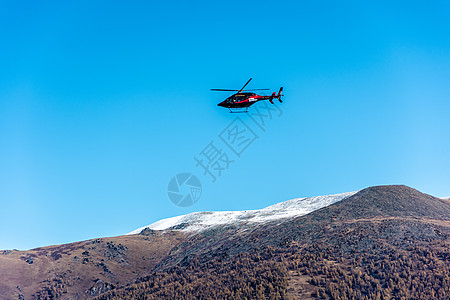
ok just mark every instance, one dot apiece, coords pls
pixel 242 100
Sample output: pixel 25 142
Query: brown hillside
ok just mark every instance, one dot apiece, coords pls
pixel 83 269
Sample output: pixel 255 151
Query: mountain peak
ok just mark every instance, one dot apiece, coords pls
pixel 392 201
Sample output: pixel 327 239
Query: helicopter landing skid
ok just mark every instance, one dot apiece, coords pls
pixel 238 110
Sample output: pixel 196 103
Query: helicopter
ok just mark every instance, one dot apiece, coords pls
pixel 240 101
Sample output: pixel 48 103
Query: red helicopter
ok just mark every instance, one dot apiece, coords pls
pixel 240 101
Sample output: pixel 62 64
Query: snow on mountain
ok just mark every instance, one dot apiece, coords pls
pixel 198 221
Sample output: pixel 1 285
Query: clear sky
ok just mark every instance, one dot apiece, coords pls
pixel 103 102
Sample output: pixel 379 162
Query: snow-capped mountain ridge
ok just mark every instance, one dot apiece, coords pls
pixel 199 221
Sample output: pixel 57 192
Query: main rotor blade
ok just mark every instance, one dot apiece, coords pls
pixel 257 90
pixel 223 90
pixel 244 85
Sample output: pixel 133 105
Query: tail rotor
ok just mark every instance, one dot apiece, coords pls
pixel 276 96
pixel 279 94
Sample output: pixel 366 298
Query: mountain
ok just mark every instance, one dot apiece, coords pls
pixel 384 242
pixel 389 211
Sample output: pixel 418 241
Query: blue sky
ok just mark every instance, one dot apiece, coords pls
pixel 103 102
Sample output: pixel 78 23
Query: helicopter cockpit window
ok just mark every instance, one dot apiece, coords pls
pixel 239 98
